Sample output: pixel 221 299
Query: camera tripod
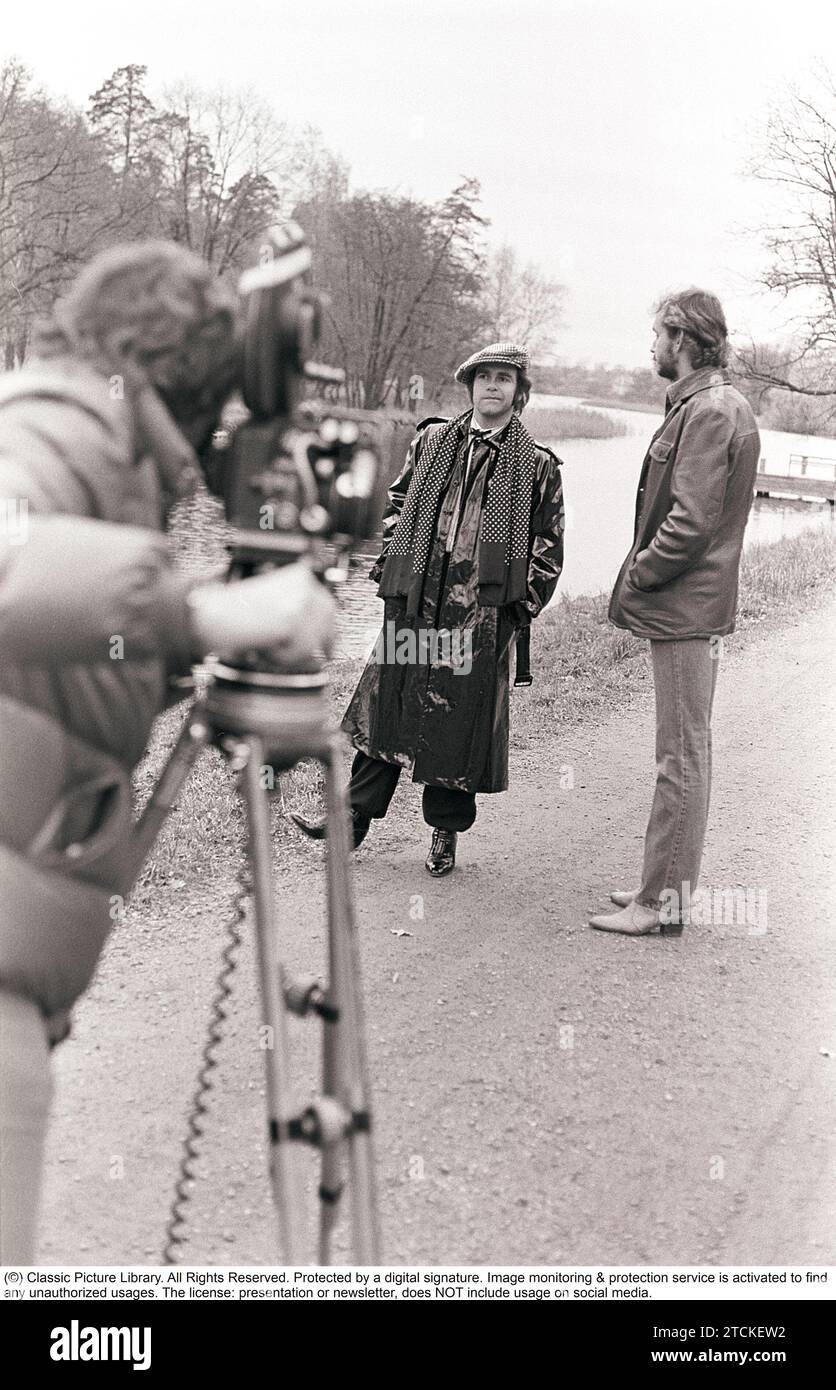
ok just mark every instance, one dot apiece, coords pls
pixel 269 720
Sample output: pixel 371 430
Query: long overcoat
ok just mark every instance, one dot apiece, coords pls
pixel 440 706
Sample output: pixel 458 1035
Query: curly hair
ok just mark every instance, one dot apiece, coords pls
pixel 154 309
pixel 699 315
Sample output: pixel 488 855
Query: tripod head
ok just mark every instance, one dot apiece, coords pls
pixel 298 479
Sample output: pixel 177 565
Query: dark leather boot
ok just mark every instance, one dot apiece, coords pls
pixel 317 829
pixel 441 859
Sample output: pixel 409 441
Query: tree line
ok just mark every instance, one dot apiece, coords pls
pixel 209 170
pixel 408 282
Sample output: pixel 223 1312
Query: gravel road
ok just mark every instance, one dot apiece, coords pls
pixel 543 1093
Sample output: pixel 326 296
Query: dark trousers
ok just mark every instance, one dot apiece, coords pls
pixel 373 784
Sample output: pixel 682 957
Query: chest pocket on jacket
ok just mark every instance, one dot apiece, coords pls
pixel 660 451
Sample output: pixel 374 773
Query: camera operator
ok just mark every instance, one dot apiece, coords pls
pixel 99 436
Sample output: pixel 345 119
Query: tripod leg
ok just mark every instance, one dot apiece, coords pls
pixel 280 1111
pixel 332 1175
pixel 345 1059
pixel 193 738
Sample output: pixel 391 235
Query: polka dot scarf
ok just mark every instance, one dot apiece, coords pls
pixel 506 519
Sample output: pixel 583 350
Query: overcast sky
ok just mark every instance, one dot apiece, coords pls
pixel 610 136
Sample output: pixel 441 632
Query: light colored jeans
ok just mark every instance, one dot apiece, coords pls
pixel 685 677
pixel 25 1093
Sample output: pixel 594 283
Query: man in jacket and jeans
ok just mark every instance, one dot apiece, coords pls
pixel 678 588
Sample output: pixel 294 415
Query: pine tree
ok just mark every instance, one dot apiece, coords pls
pixel 122 114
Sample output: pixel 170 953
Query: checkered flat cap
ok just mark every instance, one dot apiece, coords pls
pixel 507 354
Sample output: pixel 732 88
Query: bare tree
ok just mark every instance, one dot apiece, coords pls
pixel 403 279
pixel 213 170
pixel 520 303
pixel 229 170
pixel 799 157
pixel 57 203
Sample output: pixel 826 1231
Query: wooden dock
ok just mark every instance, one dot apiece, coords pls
pixel 797 483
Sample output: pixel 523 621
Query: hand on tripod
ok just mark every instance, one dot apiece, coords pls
pixel 286 615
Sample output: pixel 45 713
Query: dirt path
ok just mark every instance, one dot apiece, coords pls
pixel 543 1093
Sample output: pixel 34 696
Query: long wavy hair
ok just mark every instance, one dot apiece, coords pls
pixel 699 315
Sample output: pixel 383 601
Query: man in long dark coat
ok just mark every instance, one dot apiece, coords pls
pixel 472 551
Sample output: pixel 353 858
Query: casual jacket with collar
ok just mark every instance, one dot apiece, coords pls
pixel 695 491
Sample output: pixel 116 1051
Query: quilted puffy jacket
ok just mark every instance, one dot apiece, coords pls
pixel 93 620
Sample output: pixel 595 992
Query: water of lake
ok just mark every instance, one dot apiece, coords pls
pixel 600 478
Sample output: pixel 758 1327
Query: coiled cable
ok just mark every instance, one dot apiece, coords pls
pixel 176 1223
